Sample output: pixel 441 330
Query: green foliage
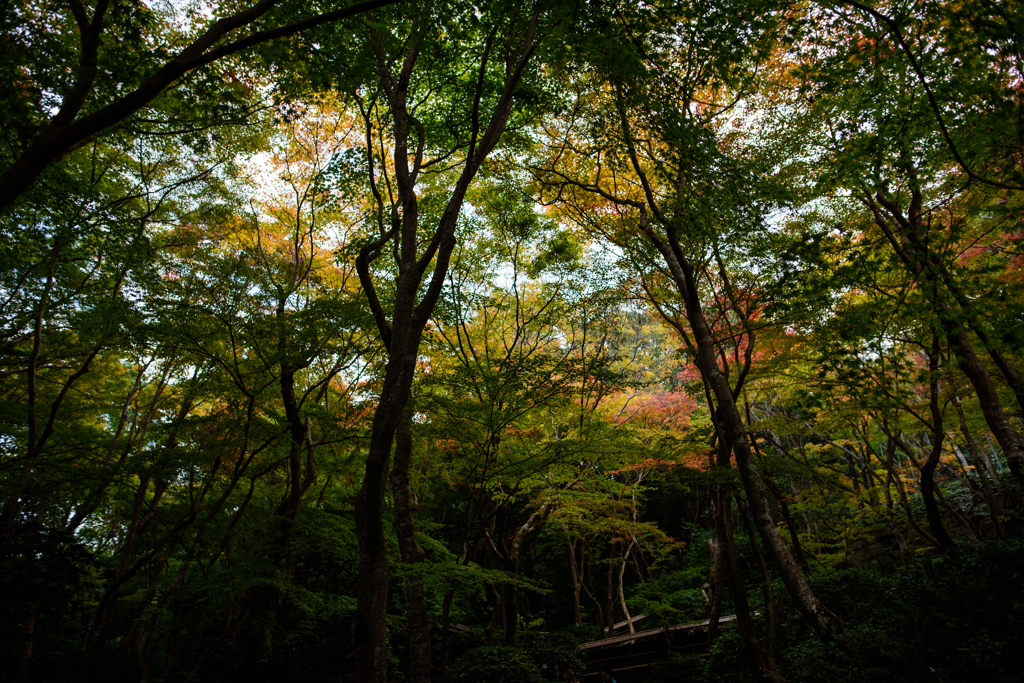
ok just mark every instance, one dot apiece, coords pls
pixel 674 597
pixel 676 668
pixel 556 654
pixel 725 659
pixel 498 663
pixel 954 618
pixel 188 361
pixel 539 656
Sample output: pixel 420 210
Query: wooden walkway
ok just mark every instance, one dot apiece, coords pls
pixel 629 655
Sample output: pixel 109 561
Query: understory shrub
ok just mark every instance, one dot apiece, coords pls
pixel 495 664
pixel 948 619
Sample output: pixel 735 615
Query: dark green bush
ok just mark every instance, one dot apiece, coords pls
pixel 949 619
pixel 495 664
pixel 725 659
pixel 553 653
pixel 676 668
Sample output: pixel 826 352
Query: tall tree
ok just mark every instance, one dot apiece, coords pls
pixel 906 132
pixel 661 172
pixel 441 118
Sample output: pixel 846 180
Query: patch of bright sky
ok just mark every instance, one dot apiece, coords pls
pixel 185 13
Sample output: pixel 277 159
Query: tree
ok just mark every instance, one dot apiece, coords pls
pixel 104 90
pixel 519 369
pixel 917 173
pixel 420 235
pixel 584 311
pixel 661 177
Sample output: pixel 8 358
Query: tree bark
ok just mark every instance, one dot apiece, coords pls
pixel 577 581
pixel 622 591
pixel 798 550
pixel 761 667
pixel 988 397
pixel 446 623
pixel 766 589
pixel 903 233
pixel 926 470
pixel 890 465
pixel 522 536
pixel 27 633
pixel 994 508
pixel 938 437
pixel 598 610
pixel 730 425
pixel 717 584
pixel 372 583
pixel 405 529
pixel 609 599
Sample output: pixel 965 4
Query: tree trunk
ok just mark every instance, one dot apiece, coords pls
pixel 717 586
pixel 901 541
pixel 405 529
pixel 731 429
pixel 988 398
pixel 939 536
pixel 905 236
pixel 577 581
pixel 735 437
pixel 760 666
pixel 622 591
pixel 522 536
pixel 598 610
pixel 512 611
pixel 798 550
pixel 610 605
pixel 372 582
pixel 890 465
pixel 496 619
pixel 938 437
pixel 27 633
pixel 994 508
pixel 67 128
pixel 766 588
pixel 415 251
pixel 931 507
pixel 446 624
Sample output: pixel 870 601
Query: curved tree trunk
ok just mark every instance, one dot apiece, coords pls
pixel 732 431
pixel 988 397
pixel 904 234
pixel 734 435
pixel 938 437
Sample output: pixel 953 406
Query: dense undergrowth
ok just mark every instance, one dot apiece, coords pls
pixel 954 618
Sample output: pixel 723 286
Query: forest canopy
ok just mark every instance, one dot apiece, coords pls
pixel 426 341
